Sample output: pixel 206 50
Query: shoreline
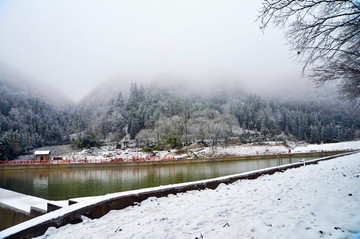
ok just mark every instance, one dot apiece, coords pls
pixel 75 164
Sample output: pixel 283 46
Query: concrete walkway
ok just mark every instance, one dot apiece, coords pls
pixel 25 203
pixel 22 202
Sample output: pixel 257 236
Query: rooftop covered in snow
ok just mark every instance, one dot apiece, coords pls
pixel 42 152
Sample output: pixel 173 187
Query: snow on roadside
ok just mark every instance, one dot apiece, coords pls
pixel 316 201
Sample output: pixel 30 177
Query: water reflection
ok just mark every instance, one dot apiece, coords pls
pixel 41 185
pixel 60 184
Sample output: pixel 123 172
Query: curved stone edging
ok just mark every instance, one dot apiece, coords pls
pixel 116 201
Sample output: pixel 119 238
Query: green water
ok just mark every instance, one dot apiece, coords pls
pixel 62 184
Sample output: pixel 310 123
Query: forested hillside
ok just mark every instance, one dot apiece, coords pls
pixel 155 116
pixel 166 118
pixel 27 122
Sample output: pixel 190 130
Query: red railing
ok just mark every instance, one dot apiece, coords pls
pixel 80 161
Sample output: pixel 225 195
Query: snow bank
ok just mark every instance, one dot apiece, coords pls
pixel 242 150
pixel 351 145
pixel 275 148
pixel 315 201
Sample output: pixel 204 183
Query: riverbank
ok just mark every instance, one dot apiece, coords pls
pixel 111 156
pixel 315 201
pixel 138 162
pixel 110 152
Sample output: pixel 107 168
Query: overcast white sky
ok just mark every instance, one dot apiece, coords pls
pixel 76 44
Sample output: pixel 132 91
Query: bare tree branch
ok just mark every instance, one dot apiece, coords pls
pixel 325 34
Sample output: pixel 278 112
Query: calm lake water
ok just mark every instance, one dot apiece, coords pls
pixel 62 184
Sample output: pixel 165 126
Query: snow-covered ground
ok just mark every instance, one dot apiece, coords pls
pixel 316 201
pixel 351 145
pixel 109 152
pixel 275 148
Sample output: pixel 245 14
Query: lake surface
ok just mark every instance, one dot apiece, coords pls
pixel 62 184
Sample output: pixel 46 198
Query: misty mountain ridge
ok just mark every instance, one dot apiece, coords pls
pixel 302 92
pixel 33 88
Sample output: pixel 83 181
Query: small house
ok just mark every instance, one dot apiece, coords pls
pixel 42 155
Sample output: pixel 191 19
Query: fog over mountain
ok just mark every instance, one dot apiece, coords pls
pixel 76 45
pixel 37 89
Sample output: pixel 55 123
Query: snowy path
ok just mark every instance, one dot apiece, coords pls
pixel 316 201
